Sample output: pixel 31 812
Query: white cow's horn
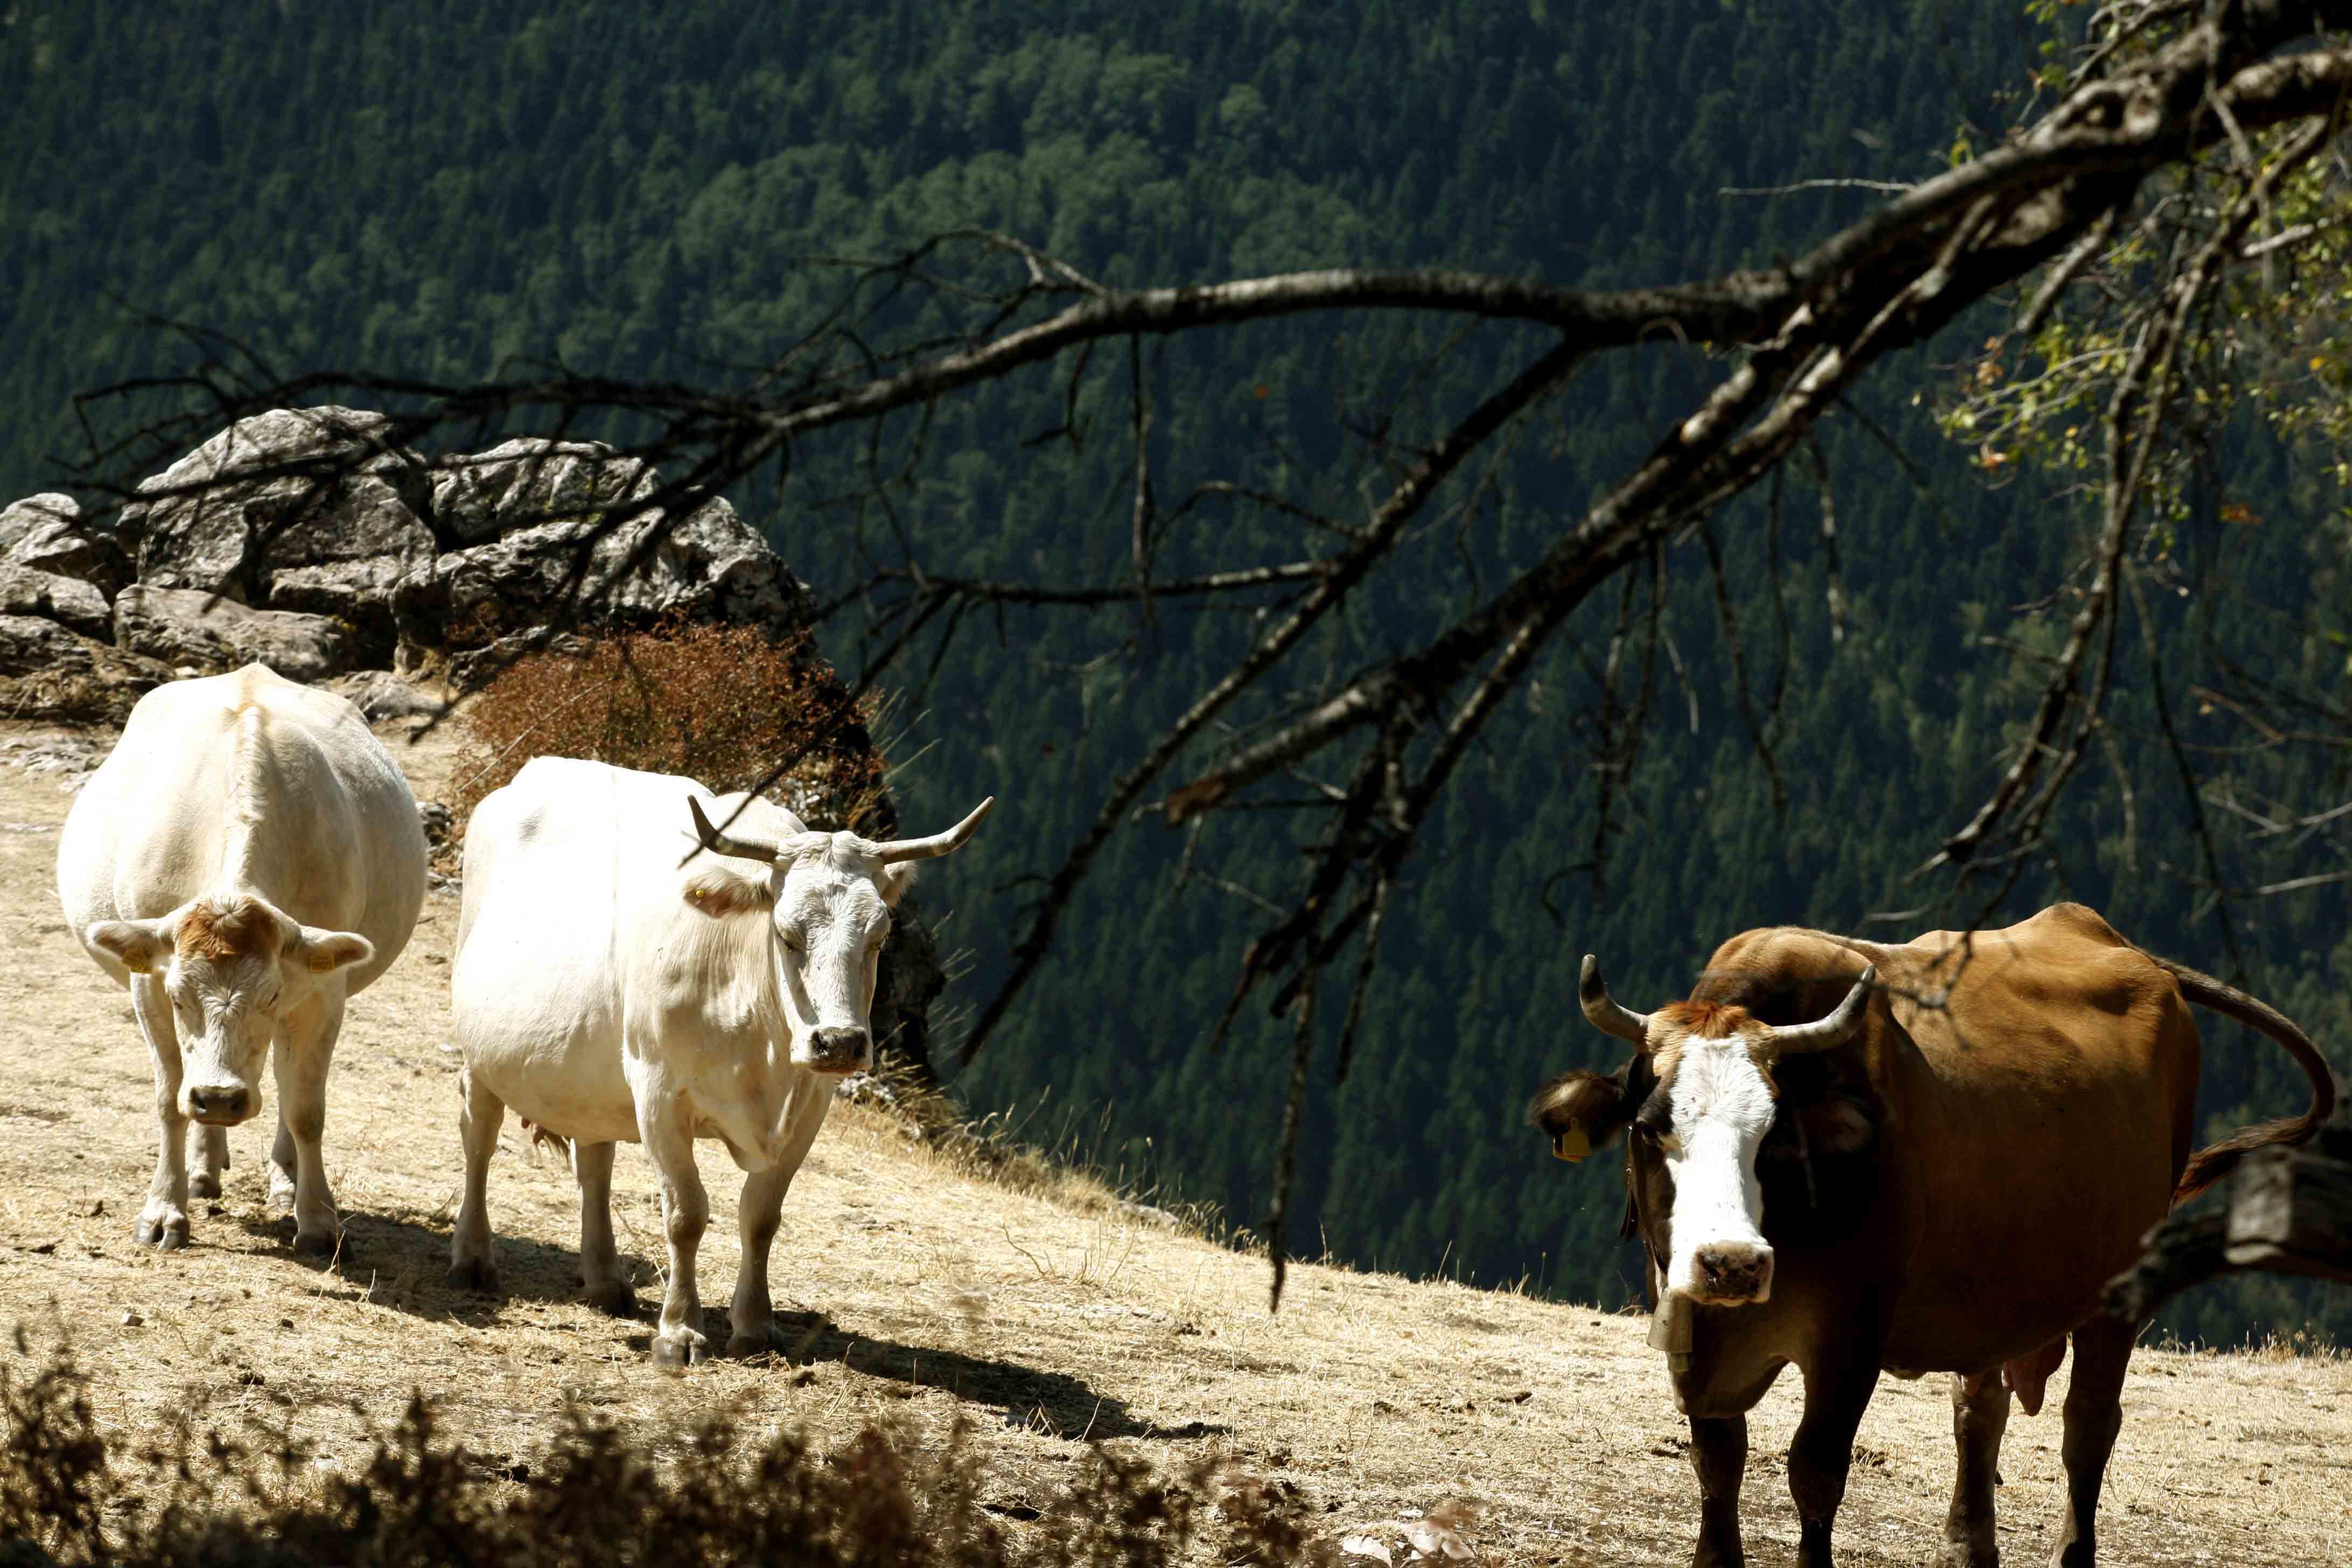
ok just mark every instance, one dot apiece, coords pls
pixel 718 843
pixel 1604 1012
pixel 900 849
pixel 1828 1034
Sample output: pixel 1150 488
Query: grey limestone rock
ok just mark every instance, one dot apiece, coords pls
pixel 187 625
pixel 380 695
pixel 48 533
pixel 49 509
pixel 309 510
pixel 68 600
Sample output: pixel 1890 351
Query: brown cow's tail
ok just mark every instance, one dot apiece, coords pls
pixel 2210 1165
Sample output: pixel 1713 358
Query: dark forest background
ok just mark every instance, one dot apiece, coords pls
pixel 439 189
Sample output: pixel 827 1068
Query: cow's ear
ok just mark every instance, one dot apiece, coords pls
pixel 897 879
pixel 140 946
pixel 323 951
pixel 1580 1112
pixel 1839 1125
pixel 721 890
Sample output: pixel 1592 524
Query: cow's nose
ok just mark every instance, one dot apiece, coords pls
pixel 1736 1271
pixel 837 1050
pixel 221 1102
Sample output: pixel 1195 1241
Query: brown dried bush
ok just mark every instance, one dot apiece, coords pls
pixel 195 1495
pixel 723 705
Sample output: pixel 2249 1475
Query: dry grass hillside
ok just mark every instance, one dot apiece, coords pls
pixel 928 1292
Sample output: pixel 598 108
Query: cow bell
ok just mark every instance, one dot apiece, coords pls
pixel 1670 1331
pixel 1572 1145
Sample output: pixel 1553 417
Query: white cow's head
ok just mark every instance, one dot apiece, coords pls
pixel 1711 1100
pixel 230 967
pixel 828 897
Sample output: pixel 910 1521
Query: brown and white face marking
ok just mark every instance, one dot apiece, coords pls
pixel 229 966
pixel 828 897
pixel 1713 1102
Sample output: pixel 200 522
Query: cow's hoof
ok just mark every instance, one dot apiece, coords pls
pixel 323 1242
pixel 204 1184
pixel 476 1274
pixel 1965 1553
pixel 683 1347
pixel 766 1339
pixel 614 1299
pixel 164 1229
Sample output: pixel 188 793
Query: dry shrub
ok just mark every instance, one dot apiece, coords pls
pixel 196 1496
pixel 723 705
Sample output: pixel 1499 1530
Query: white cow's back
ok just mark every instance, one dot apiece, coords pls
pixel 251 770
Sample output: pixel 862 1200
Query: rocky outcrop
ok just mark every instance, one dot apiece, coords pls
pixel 190 627
pixel 44 533
pixel 380 695
pixel 49 671
pixel 69 601
pixel 308 509
pixel 315 541
pixel 550 538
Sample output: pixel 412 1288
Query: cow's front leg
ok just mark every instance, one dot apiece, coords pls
pixel 305 1050
pixel 1718 1454
pixel 2103 1348
pixel 1837 1391
pixel 605 1286
pixel 281 1165
pixel 668 1134
pixel 1980 1415
pixel 163 1221
pixel 208 1153
pixel 752 1316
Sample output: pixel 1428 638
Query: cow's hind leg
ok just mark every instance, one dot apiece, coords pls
pixel 1980 1415
pixel 686 1212
pixel 164 1220
pixel 1838 1387
pixel 306 1049
pixel 604 1285
pixel 208 1154
pixel 473 1253
pixel 2103 1348
pixel 1718 1454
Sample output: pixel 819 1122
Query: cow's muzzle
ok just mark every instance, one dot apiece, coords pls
pixel 219 1104
pixel 840 1050
pixel 1732 1274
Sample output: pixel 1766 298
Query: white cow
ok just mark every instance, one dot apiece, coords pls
pixel 616 982
pixel 246 859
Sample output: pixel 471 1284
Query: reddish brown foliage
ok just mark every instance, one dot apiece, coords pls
pixel 720 704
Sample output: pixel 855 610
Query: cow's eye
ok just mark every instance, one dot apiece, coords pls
pixel 793 940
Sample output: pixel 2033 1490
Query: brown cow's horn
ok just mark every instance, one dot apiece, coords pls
pixel 718 843
pixel 900 849
pixel 1606 1015
pixel 1828 1034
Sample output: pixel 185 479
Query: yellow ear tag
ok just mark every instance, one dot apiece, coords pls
pixel 1573 1144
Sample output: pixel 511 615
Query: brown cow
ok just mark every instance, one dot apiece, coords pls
pixel 1938 1173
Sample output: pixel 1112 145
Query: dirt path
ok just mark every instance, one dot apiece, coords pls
pixel 932 1295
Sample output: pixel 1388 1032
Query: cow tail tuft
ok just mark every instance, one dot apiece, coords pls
pixel 540 1138
pixel 2210 1165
